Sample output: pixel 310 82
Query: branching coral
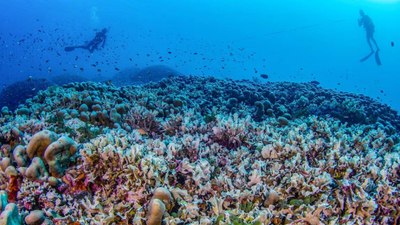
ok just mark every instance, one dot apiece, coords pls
pixel 141 118
pixel 232 132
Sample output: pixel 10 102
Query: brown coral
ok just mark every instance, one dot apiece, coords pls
pixel 39 142
pixel 155 213
pixel 161 202
pixel 58 155
pixel 37 170
pixel 20 156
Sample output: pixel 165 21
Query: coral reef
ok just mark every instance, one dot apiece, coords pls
pixel 16 93
pixel 59 154
pixel 10 215
pixel 156 212
pixel 136 76
pixel 39 143
pixel 37 170
pixel 159 204
pixel 197 150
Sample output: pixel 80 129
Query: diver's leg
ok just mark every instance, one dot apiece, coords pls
pixel 369 42
pixel 376 45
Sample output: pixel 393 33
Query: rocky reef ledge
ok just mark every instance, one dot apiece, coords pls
pixel 198 150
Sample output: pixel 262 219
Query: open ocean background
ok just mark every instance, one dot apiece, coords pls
pixel 289 40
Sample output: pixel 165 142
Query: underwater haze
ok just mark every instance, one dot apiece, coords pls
pixel 199 112
pixel 288 40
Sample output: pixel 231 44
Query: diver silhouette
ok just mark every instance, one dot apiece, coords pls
pixel 366 22
pixel 94 44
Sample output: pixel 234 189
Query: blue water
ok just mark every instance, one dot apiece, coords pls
pixel 289 40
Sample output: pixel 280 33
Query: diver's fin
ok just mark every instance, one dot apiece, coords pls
pixel 377 58
pixel 366 57
pixel 71 48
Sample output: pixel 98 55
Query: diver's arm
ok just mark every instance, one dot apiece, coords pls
pixel 360 21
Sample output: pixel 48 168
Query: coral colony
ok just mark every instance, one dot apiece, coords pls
pixel 198 150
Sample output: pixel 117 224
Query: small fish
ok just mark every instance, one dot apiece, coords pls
pixel 116 68
pixel 81 68
pixel 392 43
pixel 314 82
pixel 264 76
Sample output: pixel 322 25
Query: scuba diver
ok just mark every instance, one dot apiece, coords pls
pixel 94 44
pixel 366 22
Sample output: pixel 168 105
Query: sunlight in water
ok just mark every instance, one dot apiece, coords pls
pixel 385 1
